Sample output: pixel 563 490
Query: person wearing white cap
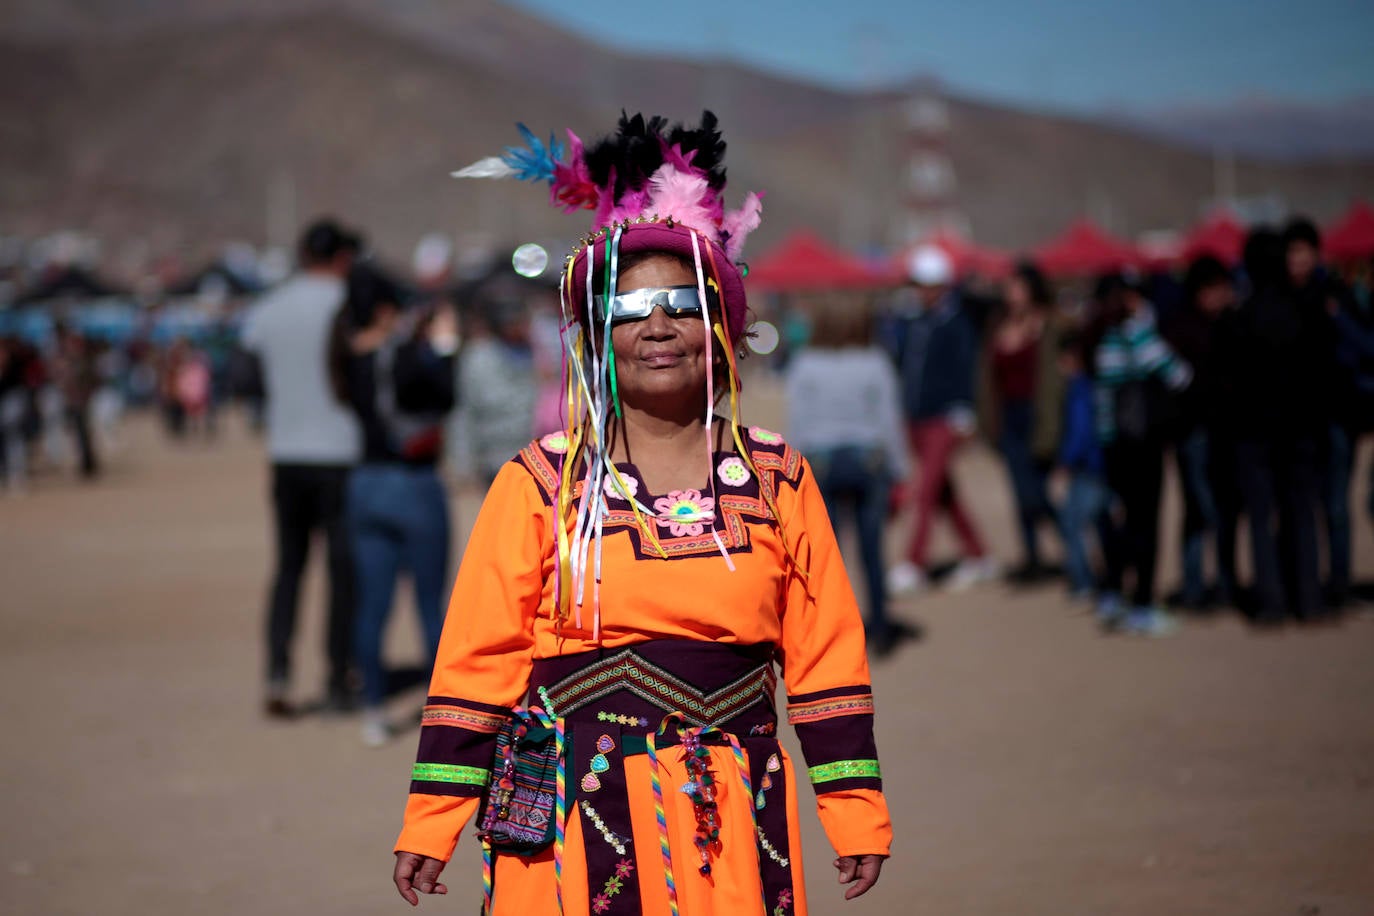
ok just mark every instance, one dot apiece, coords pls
pixel 935 346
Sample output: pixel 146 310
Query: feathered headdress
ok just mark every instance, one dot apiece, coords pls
pixel 655 187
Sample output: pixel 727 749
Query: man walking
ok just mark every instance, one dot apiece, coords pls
pixel 312 441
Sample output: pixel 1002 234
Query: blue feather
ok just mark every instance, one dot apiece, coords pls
pixel 534 162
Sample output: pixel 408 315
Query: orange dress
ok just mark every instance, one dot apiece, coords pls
pixel 685 633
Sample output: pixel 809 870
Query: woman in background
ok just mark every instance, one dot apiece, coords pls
pixel 843 414
pixel 1020 399
pixel 399 380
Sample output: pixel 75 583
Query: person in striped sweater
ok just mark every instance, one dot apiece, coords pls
pixel 1137 375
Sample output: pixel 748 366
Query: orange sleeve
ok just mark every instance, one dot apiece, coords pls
pixel 825 668
pixel 483 665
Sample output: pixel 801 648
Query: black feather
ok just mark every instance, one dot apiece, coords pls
pixel 635 151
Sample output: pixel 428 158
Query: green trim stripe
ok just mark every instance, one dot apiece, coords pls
pixel 845 769
pixel 448 772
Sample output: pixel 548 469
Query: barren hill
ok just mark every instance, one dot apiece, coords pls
pixel 180 125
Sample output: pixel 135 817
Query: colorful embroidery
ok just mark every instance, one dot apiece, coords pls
pixel 770 849
pixel 627 671
pixel 556 443
pixel 590 783
pixel 449 772
pixel 816 710
pixel 764 436
pixel 613 491
pixel 733 472
pixel 471 719
pixel 614 884
pixel 845 769
pixel 784 901
pixel 615 842
pixel 622 720
pixel 683 512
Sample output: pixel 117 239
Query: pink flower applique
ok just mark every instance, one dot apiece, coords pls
pixel 764 436
pixel 555 442
pixel 613 492
pixel 601 903
pixel 733 472
pixel 682 512
pixel 623 868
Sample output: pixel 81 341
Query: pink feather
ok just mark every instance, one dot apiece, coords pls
pixel 685 196
pixel 737 224
pixel 572 187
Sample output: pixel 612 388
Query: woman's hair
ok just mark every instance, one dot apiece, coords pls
pixel 1036 284
pixel 1264 258
pixel 368 290
pixel 842 321
pixel 1204 272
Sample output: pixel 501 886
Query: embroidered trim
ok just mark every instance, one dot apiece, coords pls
pixel 627 671
pixel 784 901
pixel 817 710
pixel 615 842
pixel 771 849
pixel 449 772
pixel 844 769
pixel 614 884
pixel 622 720
pixel 456 716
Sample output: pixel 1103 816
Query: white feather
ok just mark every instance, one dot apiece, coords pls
pixel 490 167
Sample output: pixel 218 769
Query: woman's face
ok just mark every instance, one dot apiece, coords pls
pixel 1017 296
pixel 659 359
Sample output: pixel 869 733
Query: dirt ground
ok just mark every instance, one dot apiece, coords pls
pixel 1033 766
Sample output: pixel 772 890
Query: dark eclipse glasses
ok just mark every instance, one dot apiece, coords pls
pixel 638 304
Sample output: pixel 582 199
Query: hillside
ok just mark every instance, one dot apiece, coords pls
pixel 180 127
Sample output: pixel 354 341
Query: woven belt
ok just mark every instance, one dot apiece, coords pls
pixel 630 672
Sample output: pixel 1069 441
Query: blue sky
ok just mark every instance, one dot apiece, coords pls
pixel 1065 54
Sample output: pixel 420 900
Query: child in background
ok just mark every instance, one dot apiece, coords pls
pixel 1080 455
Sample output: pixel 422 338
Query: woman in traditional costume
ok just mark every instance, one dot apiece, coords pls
pixel 603 697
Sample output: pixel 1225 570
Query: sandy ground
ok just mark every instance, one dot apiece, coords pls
pixel 1033 765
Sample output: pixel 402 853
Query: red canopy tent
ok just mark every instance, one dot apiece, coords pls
pixel 1220 235
pixel 968 258
pixel 805 262
pixel 1084 249
pixel 1351 236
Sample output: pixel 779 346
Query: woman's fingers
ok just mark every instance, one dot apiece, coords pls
pixel 428 881
pixel 860 872
pixel 402 875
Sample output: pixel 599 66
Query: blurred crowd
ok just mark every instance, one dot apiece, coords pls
pixel 373 392
pixel 1258 383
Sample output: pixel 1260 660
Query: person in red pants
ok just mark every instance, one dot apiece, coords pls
pixel 935 345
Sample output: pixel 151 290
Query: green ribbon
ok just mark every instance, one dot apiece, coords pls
pixel 845 769
pixel 448 772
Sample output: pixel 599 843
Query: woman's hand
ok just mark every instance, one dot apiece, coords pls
pixel 416 872
pixel 859 871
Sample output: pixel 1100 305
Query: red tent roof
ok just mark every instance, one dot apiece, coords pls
pixel 1220 235
pixel 968 258
pixel 805 262
pixel 1085 249
pixel 1351 236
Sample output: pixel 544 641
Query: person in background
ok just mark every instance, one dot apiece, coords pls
pixel 1135 371
pixel 1353 317
pixel 935 346
pixel 1080 455
pixel 1317 292
pixel 1276 363
pixel 74 373
pixel 497 383
pixel 1208 498
pixel 14 411
pixel 398 379
pixel 843 415
pixel 312 441
pixel 1020 402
